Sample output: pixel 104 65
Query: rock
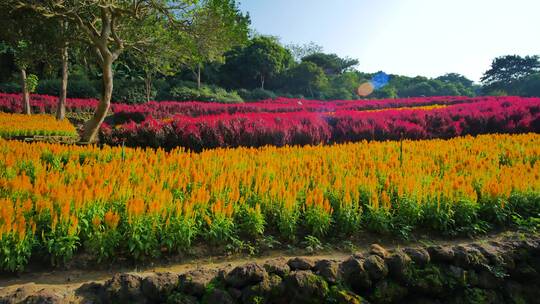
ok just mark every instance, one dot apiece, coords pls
pixel 377 249
pixel 244 275
pixel 520 293
pixel 92 292
pixel 440 254
pixel 305 287
pixel 487 280
pixel 468 257
pixel 388 292
pixel 179 298
pixel 234 292
pixel 354 274
pixel 343 296
pixel 44 296
pixel 301 263
pixel 124 288
pixel 376 267
pixel 158 286
pixel 194 282
pixel 218 296
pixel 398 263
pixel 277 266
pixel 419 256
pixel 489 252
pixel 430 280
pixel 458 274
pixel 270 289
pixel 524 273
pixel 328 269
pixel 359 255
pixel 477 295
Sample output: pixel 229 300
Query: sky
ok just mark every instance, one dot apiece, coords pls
pixel 406 37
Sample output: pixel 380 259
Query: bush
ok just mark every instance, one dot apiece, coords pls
pixel 256 95
pixel 76 88
pixel 205 93
pixel 131 91
pixel 10 88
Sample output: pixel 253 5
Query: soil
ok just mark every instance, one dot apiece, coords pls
pixel 64 282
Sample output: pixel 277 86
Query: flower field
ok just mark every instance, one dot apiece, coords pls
pixel 199 125
pixel 512 115
pixel 164 109
pixel 12 125
pixel 110 202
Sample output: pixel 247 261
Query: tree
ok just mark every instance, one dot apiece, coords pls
pixel 530 86
pixel 455 78
pixel 260 60
pixel 25 36
pixel 506 71
pixel 418 89
pixel 110 27
pixel 61 43
pixel 216 28
pixel 332 64
pixel 300 51
pixel 305 78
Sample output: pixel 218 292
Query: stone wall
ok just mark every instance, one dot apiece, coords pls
pixel 483 272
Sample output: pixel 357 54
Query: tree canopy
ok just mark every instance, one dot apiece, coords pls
pixel 506 71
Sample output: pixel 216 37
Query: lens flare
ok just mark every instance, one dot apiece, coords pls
pixel 365 89
pixel 379 80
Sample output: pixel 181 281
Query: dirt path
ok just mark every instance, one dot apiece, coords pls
pixel 65 282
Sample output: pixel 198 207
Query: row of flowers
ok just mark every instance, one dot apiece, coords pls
pixel 47 104
pixel 302 128
pixel 13 125
pixel 112 202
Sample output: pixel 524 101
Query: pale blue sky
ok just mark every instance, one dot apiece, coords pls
pixel 408 37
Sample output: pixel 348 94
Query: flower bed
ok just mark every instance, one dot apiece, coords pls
pixel 13 125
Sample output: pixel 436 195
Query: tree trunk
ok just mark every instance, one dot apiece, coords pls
pixel 91 128
pixel 148 86
pixel 25 93
pixel 199 76
pixel 262 81
pixel 61 108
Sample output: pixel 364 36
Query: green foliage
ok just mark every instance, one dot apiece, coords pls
pixel 15 250
pixel 530 86
pixel 406 216
pixel 76 88
pixel 130 91
pixel 331 63
pixel 141 238
pixel 312 243
pixel 256 94
pixel 347 219
pixel 317 220
pixel 220 229
pixel 250 221
pixel 377 220
pixel 306 78
pixel 287 221
pixel 32 83
pixel 506 72
pixel 205 93
pixel 178 233
pixel 10 87
pixel 61 242
pixel 255 64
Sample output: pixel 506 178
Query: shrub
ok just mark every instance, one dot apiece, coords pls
pixel 205 93
pixel 10 88
pixel 256 94
pixel 76 88
pixel 131 92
